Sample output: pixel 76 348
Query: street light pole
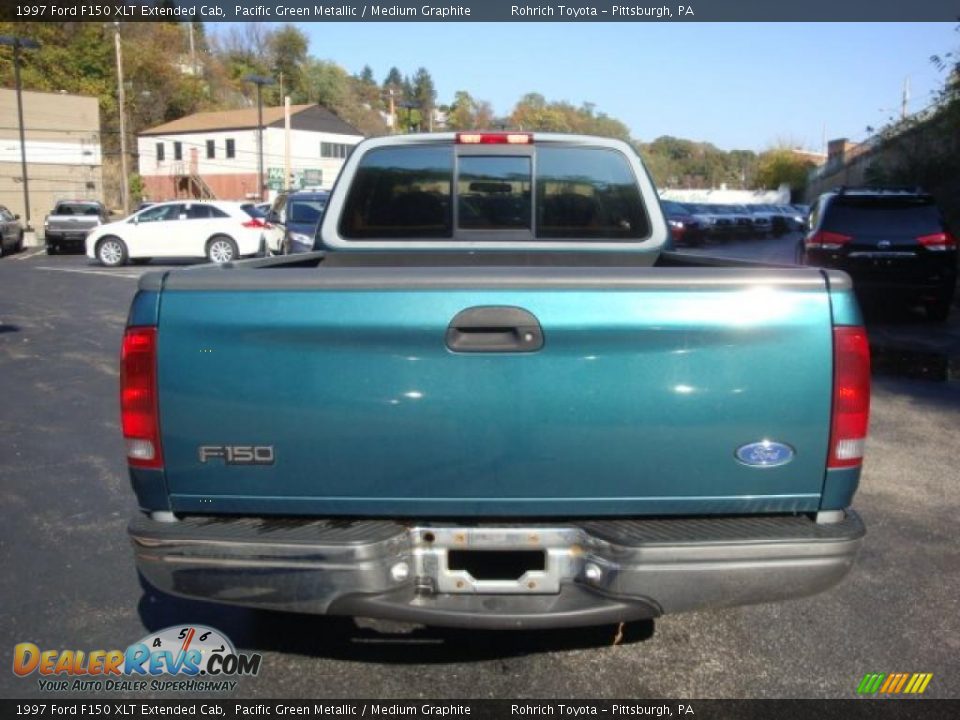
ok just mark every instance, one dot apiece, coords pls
pixel 124 189
pixel 16 43
pixel 259 81
pixel 260 142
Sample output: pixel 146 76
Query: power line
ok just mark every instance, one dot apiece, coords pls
pixel 188 144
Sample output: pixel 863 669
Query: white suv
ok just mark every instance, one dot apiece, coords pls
pixel 217 230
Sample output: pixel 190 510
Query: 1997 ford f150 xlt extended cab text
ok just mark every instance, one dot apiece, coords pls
pixel 495 398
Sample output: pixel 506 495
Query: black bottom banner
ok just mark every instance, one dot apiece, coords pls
pixel 690 709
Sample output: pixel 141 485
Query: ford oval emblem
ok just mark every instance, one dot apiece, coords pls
pixel 765 453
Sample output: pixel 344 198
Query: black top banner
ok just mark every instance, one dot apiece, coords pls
pixel 608 11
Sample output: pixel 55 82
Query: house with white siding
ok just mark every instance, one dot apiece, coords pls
pixel 214 154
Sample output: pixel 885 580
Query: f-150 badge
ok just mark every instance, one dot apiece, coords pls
pixel 765 453
pixel 237 454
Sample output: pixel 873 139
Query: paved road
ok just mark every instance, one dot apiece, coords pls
pixel 70 583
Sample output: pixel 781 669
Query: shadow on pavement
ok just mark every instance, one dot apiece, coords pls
pixel 372 641
pixel 904 342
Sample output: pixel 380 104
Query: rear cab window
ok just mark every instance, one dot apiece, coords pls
pixel 75 208
pixel 546 192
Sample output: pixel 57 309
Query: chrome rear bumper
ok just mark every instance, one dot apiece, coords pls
pixel 583 572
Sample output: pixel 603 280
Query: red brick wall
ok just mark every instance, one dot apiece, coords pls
pixel 239 186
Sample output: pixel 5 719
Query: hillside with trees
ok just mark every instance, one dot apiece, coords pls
pixel 172 69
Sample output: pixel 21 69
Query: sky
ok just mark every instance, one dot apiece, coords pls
pixel 736 85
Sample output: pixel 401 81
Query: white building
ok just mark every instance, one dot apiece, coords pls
pixel 214 154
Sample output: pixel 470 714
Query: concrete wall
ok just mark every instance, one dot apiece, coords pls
pixel 730 197
pixel 64 157
pixel 923 151
pixel 847 164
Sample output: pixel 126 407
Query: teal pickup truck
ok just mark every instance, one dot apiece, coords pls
pixel 494 397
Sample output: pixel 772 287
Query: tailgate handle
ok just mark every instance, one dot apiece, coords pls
pixel 494 329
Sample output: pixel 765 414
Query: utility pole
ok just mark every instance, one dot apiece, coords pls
pixel 193 52
pixel 393 112
pixel 121 97
pixel 905 101
pixel 287 181
pixel 16 43
pixel 259 81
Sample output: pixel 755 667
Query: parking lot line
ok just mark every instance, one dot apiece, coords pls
pixel 27 254
pixel 91 272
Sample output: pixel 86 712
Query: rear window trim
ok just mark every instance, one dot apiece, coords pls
pixel 654 240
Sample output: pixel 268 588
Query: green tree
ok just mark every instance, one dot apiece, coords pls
pixel 394 78
pixel 135 185
pixel 532 112
pixel 330 85
pixel 368 89
pixel 424 94
pixel 287 52
pixel 782 166
pixel 463 112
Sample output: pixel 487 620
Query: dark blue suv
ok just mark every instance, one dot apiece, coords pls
pixel 293 220
pixel 892 241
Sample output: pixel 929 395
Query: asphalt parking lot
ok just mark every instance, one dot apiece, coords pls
pixel 70 581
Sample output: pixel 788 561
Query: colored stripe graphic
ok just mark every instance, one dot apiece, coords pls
pixel 918 683
pixel 894 683
pixel 870 683
pixel 899 686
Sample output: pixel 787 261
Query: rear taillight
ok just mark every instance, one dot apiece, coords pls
pixel 851 397
pixel 253 223
pixel 494 138
pixel 938 241
pixel 138 397
pixel 825 240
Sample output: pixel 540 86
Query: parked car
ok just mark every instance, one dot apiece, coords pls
pixel 217 230
pixel 70 221
pixel 684 227
pixel 11 232
pixel 893 243
pixel 763 218
pixel 786 219
pixel 802 214
pixel 292 221
pixel 743 224
pixel 256 210
pixel 716 224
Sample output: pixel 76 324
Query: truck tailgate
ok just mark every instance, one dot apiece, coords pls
pixel 647 383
